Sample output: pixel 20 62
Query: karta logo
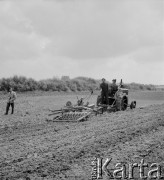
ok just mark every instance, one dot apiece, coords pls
pixel 125 171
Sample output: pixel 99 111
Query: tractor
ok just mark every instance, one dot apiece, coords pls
pixel 118 100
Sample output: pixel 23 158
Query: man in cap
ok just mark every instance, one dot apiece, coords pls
pixel 114 87
pixel 104 91
pixel 10 102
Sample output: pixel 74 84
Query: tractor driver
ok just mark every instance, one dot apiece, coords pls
pixel 104 91
pixel 114 87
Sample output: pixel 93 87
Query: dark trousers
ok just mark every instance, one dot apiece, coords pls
pixel 104 98
pixel 8 107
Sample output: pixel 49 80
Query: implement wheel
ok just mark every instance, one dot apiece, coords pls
pixel 68 103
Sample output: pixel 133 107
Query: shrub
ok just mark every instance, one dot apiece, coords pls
pixel 21 83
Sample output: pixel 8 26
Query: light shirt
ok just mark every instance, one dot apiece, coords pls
pixel 11 97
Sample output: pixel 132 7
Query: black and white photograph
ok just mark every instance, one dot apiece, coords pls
pixel 81 89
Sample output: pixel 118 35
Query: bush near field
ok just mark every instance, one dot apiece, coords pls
pixel 21 84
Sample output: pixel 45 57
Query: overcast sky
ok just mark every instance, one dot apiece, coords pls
pixel 94 38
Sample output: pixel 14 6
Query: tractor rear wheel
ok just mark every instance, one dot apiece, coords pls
pixel 124 103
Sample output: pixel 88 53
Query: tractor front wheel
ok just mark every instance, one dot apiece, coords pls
pixel 133 105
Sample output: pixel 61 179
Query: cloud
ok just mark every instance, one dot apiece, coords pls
pixel 84 30
pixel 149 55
pixel 92 29
pixel 18 39
pixel 108 38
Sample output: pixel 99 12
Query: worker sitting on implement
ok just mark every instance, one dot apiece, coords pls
pixel 113 88
pixel 104 92
pixel 10 102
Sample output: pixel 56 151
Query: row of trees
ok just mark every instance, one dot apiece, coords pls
pixel 20 83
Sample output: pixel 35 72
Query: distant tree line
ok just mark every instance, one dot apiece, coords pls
pixel 20 83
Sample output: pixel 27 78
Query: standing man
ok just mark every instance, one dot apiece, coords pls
pixel 10 102
pixel 114 87
pixel 104 92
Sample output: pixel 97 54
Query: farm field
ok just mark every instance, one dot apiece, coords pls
pixel 32 148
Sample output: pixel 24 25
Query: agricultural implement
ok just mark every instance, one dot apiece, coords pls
pixel 79 112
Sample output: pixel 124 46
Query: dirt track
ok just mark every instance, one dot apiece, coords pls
pixel 31 148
